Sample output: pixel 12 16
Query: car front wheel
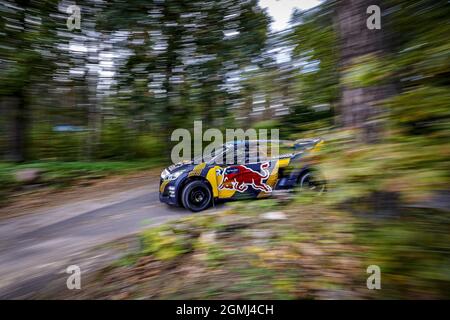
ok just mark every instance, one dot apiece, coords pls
pixel 196 196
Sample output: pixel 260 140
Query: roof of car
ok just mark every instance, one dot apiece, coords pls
pixel 256 141
pixel 297 144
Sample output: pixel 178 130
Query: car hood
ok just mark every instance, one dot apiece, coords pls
pixel 185 165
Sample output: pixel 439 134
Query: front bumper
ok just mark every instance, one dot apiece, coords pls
pixel 168 192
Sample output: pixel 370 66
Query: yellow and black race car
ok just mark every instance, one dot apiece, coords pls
pixel 241 169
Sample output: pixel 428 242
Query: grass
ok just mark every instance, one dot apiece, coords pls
pixel 194 258
pixel 62 174
pixel 62 168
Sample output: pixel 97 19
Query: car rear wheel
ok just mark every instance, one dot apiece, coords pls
pixel 312 181
pixel 196 196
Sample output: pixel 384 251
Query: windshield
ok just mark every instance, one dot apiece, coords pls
pixel 210 159
pixel 262 150
pixel 254 152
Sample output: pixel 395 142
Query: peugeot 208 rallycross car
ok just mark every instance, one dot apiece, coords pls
pixel 196 185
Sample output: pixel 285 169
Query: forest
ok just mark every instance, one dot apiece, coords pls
pixel 105 98
pixel 116 88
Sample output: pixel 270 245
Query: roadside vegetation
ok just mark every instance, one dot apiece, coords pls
pixel 385 205
pixel 82 105
pixel 32 176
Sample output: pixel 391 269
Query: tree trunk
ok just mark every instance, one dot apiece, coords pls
pixel 359 107
pixel 94 116
pixel 20 118
pixel 19 128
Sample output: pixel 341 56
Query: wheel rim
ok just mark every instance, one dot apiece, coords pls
pixel 308 182
pixel 198 197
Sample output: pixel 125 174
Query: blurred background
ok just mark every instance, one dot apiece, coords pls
pixel 105 98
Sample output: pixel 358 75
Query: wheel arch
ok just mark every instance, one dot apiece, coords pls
pixel 185 182
pixel 302 172
pixel 297 173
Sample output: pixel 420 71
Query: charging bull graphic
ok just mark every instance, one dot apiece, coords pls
pixel 239 177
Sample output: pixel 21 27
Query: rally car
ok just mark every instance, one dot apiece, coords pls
pixel 196 185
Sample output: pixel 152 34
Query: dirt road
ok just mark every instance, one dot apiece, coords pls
pixel 36 248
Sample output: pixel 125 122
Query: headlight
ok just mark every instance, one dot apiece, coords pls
pixel 164 174
pixel 175 175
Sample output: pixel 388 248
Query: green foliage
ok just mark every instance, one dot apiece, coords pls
pixel 49 145
pixel 254 207
pixel 413 167
pixel 422 63
pixel 180 26
pixel 378 185
pixel 163 243
pixel 149 147
pixel 315 43
pixel 267 124
pixel 413 260
pixel 116 142
pixel 423 110
pixel 62 174
pixel 215 256
pixel 187 77
pixel 7 184
pixel 366 71
pixel 26 56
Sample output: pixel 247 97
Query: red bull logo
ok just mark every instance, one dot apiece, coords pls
pixel 240 177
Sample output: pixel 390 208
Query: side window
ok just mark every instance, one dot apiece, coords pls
pixel 218 156
pixel 241 155
pixel 275 149
pixel 256 154
pixel 234 156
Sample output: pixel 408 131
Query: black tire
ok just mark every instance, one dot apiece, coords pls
pixel 311 180
pixel 196 196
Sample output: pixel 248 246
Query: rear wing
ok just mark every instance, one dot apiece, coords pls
pixel 308 144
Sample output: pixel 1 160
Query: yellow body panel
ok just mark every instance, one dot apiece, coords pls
pixel 225 193
pixel 317 146
pixel 211 176
pixel 197 170
pixel 163 186
pixel 272 180
pixel 283 163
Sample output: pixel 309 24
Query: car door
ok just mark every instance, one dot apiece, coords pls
pixel 248 176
